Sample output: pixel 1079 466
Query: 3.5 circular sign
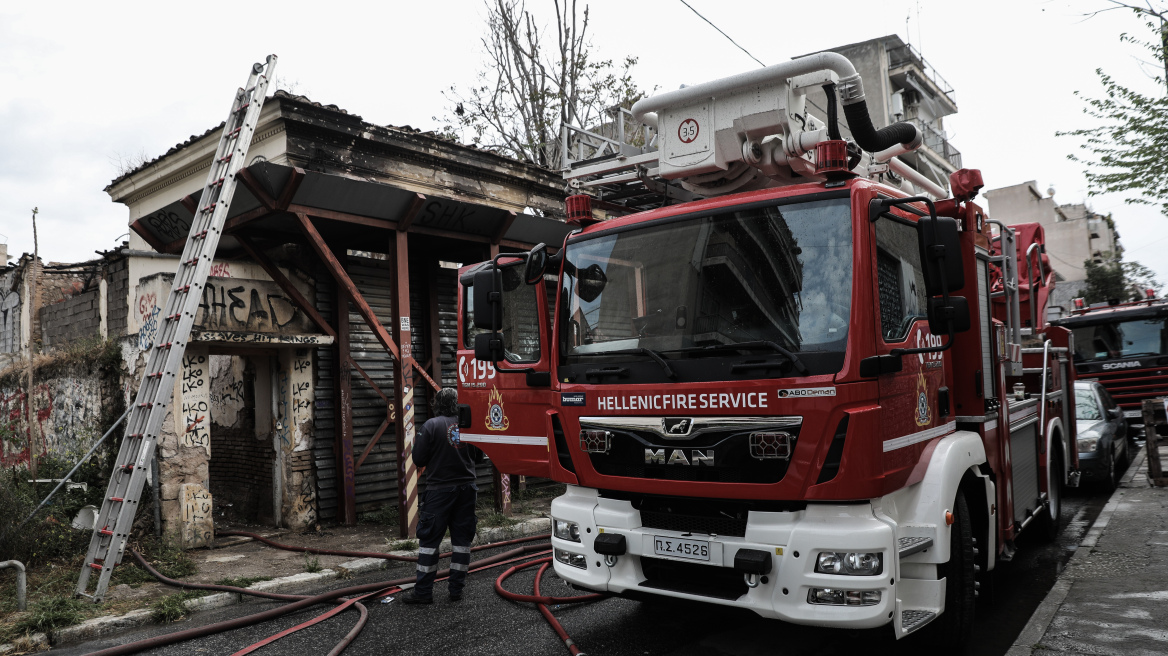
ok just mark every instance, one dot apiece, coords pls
pixel 687 131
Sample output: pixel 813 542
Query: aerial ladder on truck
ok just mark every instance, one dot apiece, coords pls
pixel 777 369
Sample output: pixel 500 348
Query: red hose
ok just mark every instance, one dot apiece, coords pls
pixel 375 554
pixel 248 620
pixel 542 602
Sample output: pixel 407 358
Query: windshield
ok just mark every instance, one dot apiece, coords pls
pixel 1086 407
pixel 1122 339
pixel 780 274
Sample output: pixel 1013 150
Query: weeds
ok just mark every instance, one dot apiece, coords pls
pixel 386 515
pixel 402 545
pixel 166 556
pixel 242 581
pixel 173 607
pixel 495 519
pixel 311 563
pixel 50 613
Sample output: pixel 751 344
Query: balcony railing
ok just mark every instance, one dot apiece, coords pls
pixel 906 54
pixel 935 140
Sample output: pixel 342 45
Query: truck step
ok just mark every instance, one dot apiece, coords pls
pixel 911 545
pixel 911 620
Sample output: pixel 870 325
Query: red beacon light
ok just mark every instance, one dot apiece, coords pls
pixel 831 159
pixel 1080 304
pixel 1150 294
pixel 579 210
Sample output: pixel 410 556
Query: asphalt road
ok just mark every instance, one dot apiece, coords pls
pixel 484 623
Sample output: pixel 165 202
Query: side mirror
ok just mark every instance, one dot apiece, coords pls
pixel 537 261
pixel 488 301
pixel 489 347
pixel 940 249
pixel 1115 413
pixel 942 315
pixel 590 282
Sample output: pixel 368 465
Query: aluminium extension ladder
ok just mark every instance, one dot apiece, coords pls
pixel 164 359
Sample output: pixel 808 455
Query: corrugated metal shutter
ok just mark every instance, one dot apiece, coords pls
pixel 325 460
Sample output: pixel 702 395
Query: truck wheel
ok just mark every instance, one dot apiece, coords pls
pixel 955 626
pixel 1049 518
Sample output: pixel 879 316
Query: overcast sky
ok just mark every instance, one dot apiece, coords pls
pixel 84 83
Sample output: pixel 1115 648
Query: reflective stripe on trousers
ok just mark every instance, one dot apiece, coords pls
pixel 451 508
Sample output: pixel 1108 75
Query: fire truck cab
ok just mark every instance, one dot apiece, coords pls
pixel 795 386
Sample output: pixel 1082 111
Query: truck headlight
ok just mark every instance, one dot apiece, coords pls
pixel 849 563
pixel 571 559
pixel 566 530
pixel 836 597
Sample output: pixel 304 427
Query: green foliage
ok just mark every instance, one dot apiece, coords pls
pixel 528 89
pixel 403 545
pixel 1125 153
pixel 311 563
pixel 242 581
pixel 1116 280
pixel 165 555
pixel 497 519
pixel 51 613
pixel 172 608
pixel 49 534
pixel 384 516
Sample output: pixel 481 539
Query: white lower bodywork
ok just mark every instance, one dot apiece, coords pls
pixel 795 539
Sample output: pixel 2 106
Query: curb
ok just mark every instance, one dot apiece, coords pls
pixel 105 625
pixel 1031 635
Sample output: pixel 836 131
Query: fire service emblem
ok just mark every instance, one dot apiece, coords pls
pixel 924 410
pixel 496 419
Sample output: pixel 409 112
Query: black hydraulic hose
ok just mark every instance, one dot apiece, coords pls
pixel 871 139
pixel 833 132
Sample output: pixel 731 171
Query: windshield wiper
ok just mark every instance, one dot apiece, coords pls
pixel 641 351
pixel 760 344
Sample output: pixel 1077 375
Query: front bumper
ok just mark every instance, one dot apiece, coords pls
pixel 794 538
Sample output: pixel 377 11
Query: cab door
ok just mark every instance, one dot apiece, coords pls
pixel 915 410
pixel 511 402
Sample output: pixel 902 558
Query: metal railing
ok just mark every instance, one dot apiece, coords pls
pixel 621 135
pixel 936 141
pixel 906 54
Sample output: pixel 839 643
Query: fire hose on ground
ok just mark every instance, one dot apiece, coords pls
pixel 365 591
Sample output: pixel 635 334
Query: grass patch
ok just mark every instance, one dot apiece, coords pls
pixel 242 581
pixel 311 563
pixel 386 515
pixel 497 519
pixel 172 608
pixel 49 614
pixel 402 545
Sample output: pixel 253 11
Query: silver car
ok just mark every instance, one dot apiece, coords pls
pixel 1101 432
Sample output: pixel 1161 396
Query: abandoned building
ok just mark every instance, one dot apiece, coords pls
pixel 329 316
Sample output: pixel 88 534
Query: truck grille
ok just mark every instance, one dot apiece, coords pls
pixel 730 448
pixel 1129 388
pixel 693 523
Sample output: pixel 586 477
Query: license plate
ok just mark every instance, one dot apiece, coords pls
pixel 681 548
pixel 1131 414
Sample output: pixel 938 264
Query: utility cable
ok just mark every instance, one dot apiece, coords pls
pixel 722 33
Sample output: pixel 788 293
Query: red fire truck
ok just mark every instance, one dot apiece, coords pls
pixel 1125 347
pixel 788 384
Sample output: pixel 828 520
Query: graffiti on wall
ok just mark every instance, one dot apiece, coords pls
pixel 227 388
pixel 230 305
pixel 67 412
pixel 198 527
pixel 194 419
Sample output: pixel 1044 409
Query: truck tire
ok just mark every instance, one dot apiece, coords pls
pixel 1110 478
pixel 955 626
pixel 1049 518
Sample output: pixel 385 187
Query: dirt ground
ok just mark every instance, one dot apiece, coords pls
pixel 235 557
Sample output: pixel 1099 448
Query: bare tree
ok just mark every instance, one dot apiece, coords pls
pixel 1154 15
pixel 528 90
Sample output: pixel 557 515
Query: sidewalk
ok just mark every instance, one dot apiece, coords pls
pixel 1113 596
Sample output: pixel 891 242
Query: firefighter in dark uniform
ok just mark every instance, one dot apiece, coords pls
pixel 449 499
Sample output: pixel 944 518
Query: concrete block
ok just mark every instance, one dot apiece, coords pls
pixel 100 626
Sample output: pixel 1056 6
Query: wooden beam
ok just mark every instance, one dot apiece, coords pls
pixel 343 412
pixel 342 278
pixel 251 184
pixel 344 217
pixel 390 415
pixel 411 212
pixel 144 233
pixel 285 284
pixel 403 389
pixel 294 180
pixel 435 318
pixel 422 371
pixel 189 203
pixel 373 442
pixel 507 221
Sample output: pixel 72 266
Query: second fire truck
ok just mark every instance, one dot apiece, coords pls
pixel 794 386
